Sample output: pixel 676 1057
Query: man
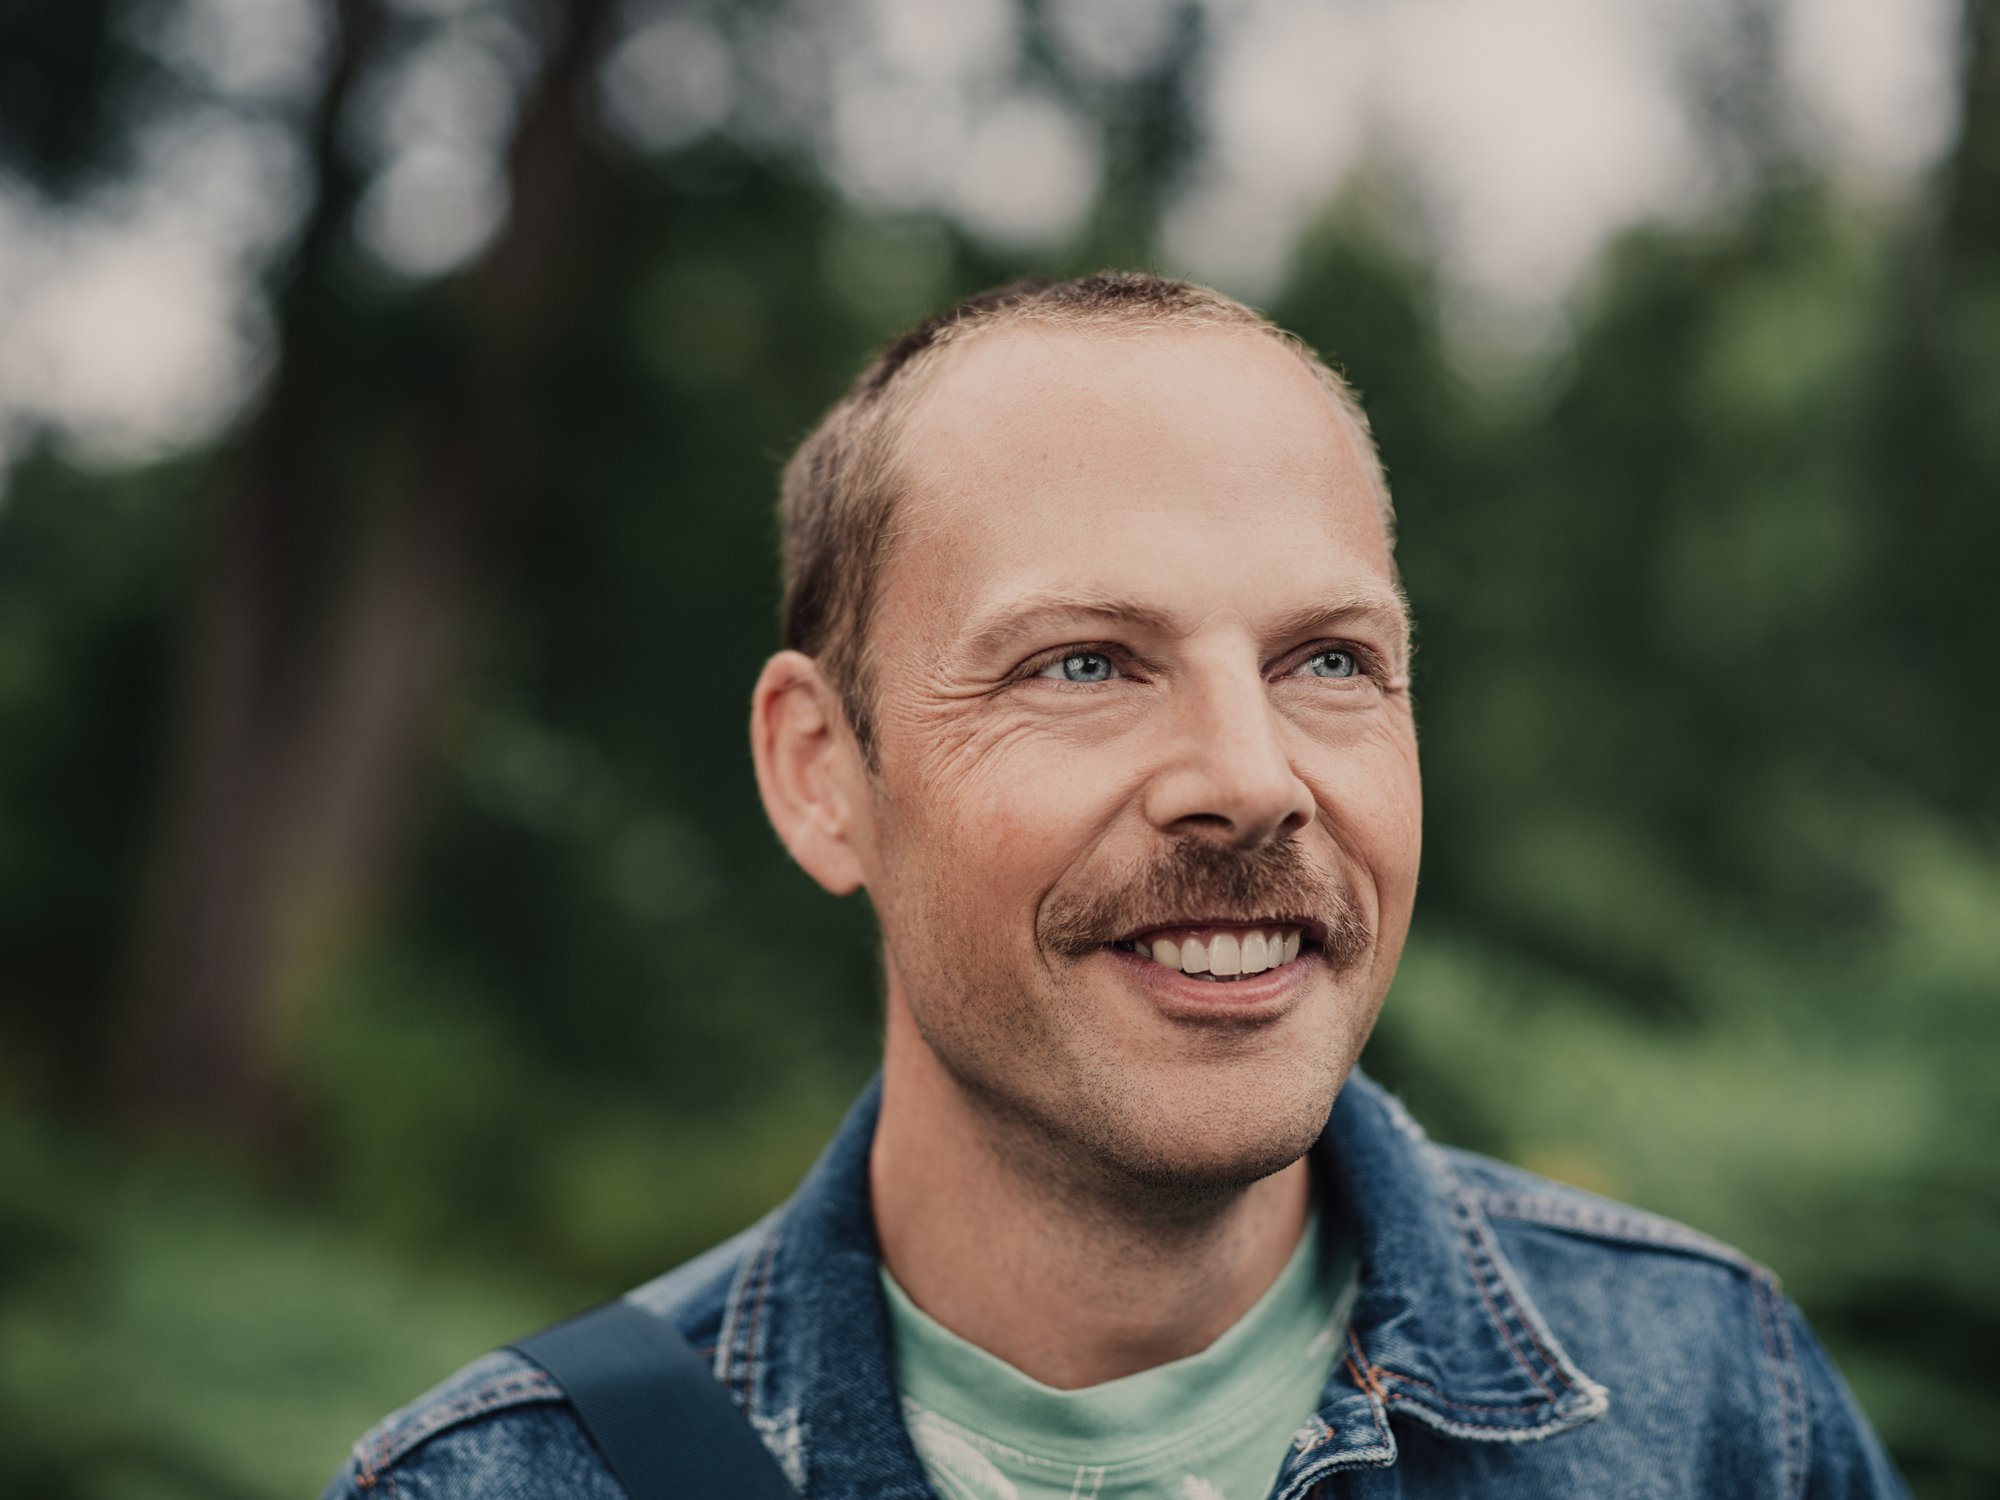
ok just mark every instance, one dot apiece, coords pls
pixel 1098 684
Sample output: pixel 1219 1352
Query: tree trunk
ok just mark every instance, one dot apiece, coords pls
pixel 329 624
pixel 1972 175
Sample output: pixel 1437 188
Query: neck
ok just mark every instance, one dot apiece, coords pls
pixel 1071 1280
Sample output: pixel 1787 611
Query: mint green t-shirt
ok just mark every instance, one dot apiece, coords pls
pixel 1213 1426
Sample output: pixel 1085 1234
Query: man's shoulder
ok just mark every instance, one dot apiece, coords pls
pixel 1612 1281
pixel 500 1425
pixel 1672 1320
pixel 483 1430
pixel 1520 1204
pixel 1617 1283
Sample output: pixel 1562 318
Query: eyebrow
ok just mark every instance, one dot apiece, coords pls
pixel 1389 609
pixel 1386 608
pixel 1001 624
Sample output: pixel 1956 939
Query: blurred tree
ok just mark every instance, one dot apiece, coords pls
pixel 1707 910
pixel 1937 465
pixel 347 541
pixel 65 76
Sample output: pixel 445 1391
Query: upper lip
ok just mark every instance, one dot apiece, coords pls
pixel 1310 927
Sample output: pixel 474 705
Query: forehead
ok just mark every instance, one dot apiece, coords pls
pixel 1191 468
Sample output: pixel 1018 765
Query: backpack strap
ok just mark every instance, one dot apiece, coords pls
pixel 656 1413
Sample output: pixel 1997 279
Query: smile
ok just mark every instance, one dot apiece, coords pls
pixel 1218 953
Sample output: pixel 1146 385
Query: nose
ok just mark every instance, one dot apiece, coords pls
pixel 1227 775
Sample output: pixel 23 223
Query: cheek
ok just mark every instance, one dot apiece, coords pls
pixel 1399 806
pixel 989 786
pixel 1007 842
pixel 977 838
pixel 1372 796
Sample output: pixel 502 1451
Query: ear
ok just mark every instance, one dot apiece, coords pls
pixel 807 765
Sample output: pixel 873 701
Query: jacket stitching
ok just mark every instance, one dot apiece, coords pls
pixel 727 1338
pixel 1477 1263
pixel 750 1345
pixel 394 1443
pixel 1767 1336
pixel 1480 1253
pixel 1522 1314
pixel 1802 1425
pixel 1401 1379
pixel 1554 1213
pixel 1777 1341
pixel 1364 1374
pixel 730 1347
pixel 1367 1375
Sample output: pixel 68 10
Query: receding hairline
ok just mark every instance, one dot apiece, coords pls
pixel 844 489
pixel 928 380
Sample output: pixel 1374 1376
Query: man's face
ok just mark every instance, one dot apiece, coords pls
pixel 1139 693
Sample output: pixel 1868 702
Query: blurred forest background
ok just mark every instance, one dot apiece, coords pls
pixel 392 952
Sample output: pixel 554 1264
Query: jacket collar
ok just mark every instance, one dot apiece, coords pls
pixel 1442 1329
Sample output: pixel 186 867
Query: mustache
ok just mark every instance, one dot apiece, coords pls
pixel 1196 879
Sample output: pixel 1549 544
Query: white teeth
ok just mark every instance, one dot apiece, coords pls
pixel 1226 954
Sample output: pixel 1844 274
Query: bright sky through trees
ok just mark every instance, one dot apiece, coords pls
pixel 1528 131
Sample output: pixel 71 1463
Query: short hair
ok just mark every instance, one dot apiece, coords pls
pixel 840 490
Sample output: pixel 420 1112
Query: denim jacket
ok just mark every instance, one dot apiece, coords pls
pixel 1512 1337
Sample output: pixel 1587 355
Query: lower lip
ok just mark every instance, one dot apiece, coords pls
pixel 1256 998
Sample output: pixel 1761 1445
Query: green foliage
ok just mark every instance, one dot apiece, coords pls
pixel 1697 931
pixel 1710 884
pixel 168 1331
pixel 93 577
pixel 1829 1111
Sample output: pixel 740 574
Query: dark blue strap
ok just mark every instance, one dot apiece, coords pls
pixel 662 1421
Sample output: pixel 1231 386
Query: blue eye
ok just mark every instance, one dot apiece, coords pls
pixel 1081 666
pixel 1334 663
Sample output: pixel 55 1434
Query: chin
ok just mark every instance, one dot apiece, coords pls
pixel 1152 1117
pixel 1197 1139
